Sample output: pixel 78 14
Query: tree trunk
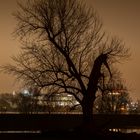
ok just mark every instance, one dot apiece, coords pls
pixel 87 108
pixel 88 125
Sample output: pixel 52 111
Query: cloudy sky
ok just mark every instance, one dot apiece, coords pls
pixel 120 18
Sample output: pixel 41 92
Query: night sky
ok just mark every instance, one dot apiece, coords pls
pixel 120 18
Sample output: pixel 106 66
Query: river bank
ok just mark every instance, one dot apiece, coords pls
pixel 65 135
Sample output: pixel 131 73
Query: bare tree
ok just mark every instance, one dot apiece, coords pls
pixel 64 49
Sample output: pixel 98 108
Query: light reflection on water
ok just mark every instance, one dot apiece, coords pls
pixel 20 132
pixel 126 130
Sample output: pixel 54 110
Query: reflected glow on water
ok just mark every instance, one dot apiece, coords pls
pixel 20 132
pixel 126 130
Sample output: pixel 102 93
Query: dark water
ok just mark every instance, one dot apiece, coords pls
pixel 127 134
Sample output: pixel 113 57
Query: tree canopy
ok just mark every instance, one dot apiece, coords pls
pixel 65 50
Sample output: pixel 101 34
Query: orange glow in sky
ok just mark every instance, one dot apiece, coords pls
pixel 120 18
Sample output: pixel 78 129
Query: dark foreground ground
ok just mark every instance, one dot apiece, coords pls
pixel 66 127
pixel 69 135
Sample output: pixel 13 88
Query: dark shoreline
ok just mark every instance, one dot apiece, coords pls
pixel 65 135
pixel 67 127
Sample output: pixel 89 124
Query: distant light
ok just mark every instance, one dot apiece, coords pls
pixel 69 95
pixel 26 92
pixel 14 93
pixel 113 93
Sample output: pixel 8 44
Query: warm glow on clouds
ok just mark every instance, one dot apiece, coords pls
pixel 120 18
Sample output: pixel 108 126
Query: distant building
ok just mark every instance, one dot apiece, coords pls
pixel 53 102
pixel 62 103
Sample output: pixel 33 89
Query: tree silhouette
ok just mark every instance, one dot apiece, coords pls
pixel 64 49
pixel 113 99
